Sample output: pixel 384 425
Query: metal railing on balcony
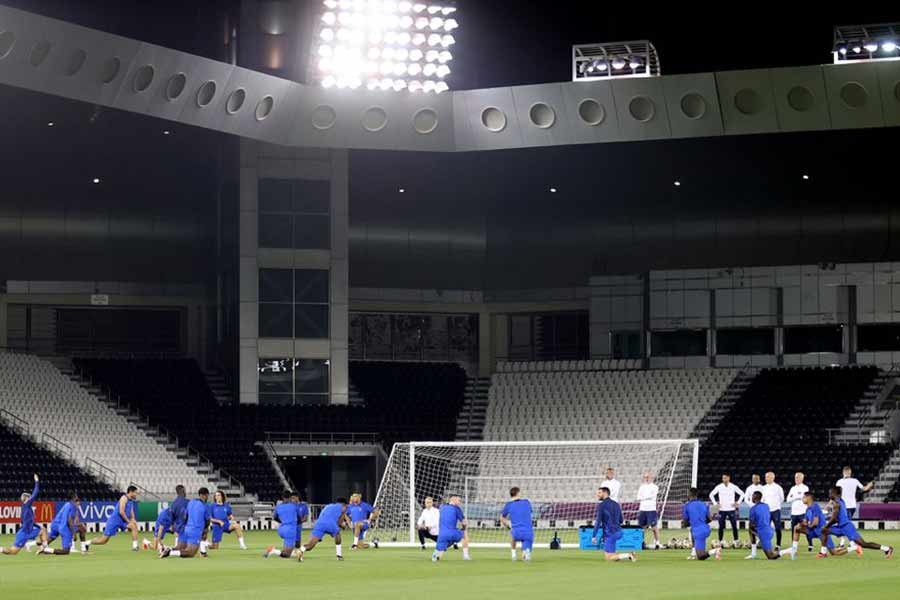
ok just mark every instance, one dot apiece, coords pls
pixel 294 437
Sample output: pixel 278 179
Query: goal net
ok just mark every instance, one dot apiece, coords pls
pixel 559 478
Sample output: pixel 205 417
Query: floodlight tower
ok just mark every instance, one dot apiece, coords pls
pixel 592 62
pixel 864 43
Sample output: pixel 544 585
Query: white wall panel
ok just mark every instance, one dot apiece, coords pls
pixel 693 105
pixel 889 83
pixel 642 110
pixel 747 101
pixel 542 115
pixel 854 96
pixel 591 110
pixel 800 99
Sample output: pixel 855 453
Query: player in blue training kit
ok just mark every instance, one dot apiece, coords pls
pixel 517 516
pixel 448 534
pixel 28 530
pixel 222 521
pixel 695 515
pixel 811 526
pixel 841 525
pixel 179 510
pixel 302 516
pixel 63 527
pixel 330 521
pixel 194 529
pixel 361 516
pixel 165 523
pixel 287 515
pixel 761 526
pixel 609 519
pixel 124 519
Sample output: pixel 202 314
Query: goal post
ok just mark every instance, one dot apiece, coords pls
pixel 560 478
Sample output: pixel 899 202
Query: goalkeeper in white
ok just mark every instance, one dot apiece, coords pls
pixel 647 515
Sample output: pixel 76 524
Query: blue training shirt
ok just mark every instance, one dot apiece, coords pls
pixel 179 511
pixel 286 513
pixel 62 517
pixel 609 517
pixel 27 510
pixel 221 512
pixel 843 516
pixel 197 514
pixel 331 513
pixel 165 518
pixel 760 517
pixel 302 513
pixel 519 513
pixel 813 512
pixel 359 512
pixel 450 515
pixel 696 513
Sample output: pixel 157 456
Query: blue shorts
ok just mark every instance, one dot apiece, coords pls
pixel 445 540
pixel 362 530
pixel 648 518
pixel 114 526
pixel 700 535
pixel 848 531
pixel 764 538
pixel 526 537
pixel 219 530
pixel 322 529
pixel 289 535
pixel 817 533
pixel 609 541
pixel 63 533
pixel 191 537
pixel 25 535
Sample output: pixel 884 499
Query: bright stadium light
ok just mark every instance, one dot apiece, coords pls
pixel 384 45
pixel 605 61
pixel 865 43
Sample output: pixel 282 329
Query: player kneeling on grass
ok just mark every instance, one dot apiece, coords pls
pixel 63 527
pixel 194 528
pixel 609 518
pixel 287 515
pixel 124 519
pixel 448 534
pixel 361 516
pixel 165 523
pixel 28 530
pixel 761 526
pixel 695 515
pixel 811 526
pixel 517 516
pixel 330 521
pixel 840 524
pixel 222 522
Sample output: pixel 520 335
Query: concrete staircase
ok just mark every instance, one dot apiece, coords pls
pixel 471 419
pixel 723 405
pixel 871 413
pixel 219 387
pixel 889 475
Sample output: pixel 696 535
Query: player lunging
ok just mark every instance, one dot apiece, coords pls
pixel 28 531
pixel 517 517
pixel 609 519
pixel 695 515
pixel 329 522
pixel 165 523
pixel 124 519
pixel 194 527
pixel 451 515
pixel 840 524
pixel 361 516
pixel 850 487
pixel 63 527
pixel 222 521
pixel 811 526
pixel 761 526
pixel 302 516
pixel 286 514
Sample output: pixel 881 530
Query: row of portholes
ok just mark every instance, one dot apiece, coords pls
pixel 143 77
pixel 853 95
pixel 375 119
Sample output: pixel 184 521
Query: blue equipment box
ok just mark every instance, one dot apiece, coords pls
pixel 632 539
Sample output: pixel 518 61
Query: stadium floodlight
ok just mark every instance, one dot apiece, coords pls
pixel 864 43
pixel 384 45
pixel 612 60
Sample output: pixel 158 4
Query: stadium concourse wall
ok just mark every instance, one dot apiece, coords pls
pixel 58 58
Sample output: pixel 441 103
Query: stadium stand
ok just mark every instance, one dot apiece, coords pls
pixel 34 390
pixel 21 457
pixel 403 401
pixel 781 423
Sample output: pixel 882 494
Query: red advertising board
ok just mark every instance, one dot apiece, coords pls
pixel 11 512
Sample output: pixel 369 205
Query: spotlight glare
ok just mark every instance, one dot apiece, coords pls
pixel 601 65
pixel 436 23
pixel 441 87
pixel 329 18
pixel 635 63
pixel 443 71
pixel 416 54
pixel 406 21
pixel 432 56
pixel 432 10
pixel 96 180
pixel 327 34
pixel 434 40
pixel 805 177
pixel 329 82
pixel 404 39
pixel 618 63
pixel 421 23
pixel 448 40
pixel 870 46
pixel 404 7
pixel 418 39
pixel 553 190
pixel 417 8
pixel 50 124
pixel 857 49
pixel 399 85
pixel 415 86
pixel 677 183
pixel 414 69
pixel 889 46
pixel 448 10
pixel 430 69
pixel 445 57
pixel 450 24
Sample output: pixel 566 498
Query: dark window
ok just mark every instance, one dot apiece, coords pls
pixel 311 321
pixel 275 195
pixel 311 286
pixel 626 344
pixel 745 341
pixel 275 231
pixel 803 340
pixel 311 382
pixel 276 285
pixel 549 336
pixel 878 338
pixel 312 197
pixel 684 342
pixel 276 376
pixel 312 232
pixel 275 321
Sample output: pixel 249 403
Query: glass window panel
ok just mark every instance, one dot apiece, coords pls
pixel 275 195
pixel 276 400
pixel 276 285
pixel 311 321
pixel 275 321
pixel 312 232
pixel 311 286
pixel 802 340
pixel 274 231
pixel 685 342
pixel 312 196
pixel 745 341
pixel 276 375
pixel 311 377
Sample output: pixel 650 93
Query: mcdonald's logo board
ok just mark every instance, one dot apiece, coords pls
pixel 11 512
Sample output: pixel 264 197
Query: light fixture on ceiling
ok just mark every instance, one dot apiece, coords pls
pixel 677 183
pixel 96 180
pixel 553 190
pixel 402 190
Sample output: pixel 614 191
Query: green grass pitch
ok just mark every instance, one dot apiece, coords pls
pixel 114 571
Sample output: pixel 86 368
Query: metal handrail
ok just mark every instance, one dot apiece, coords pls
pixel 145 492
pixel 321 437
pixel 102 471
pixel 15 421
pixel 61 448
